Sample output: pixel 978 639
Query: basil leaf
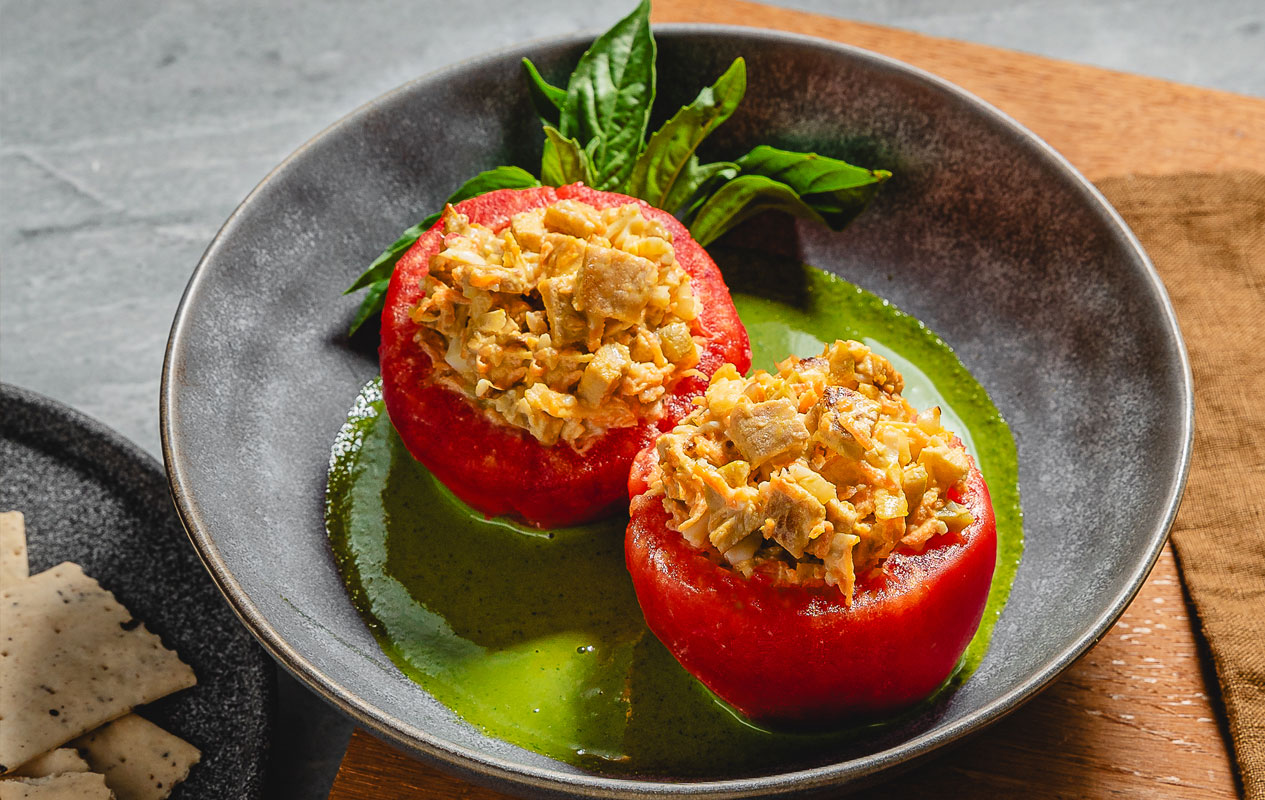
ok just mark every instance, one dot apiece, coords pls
pixel 837 190
pixel 669 156
pixel 609 97
pixel 705 178
pixel 384 264
pixel 484 182
pixel 491 180
pixel 742 198
pixel 371 305
pixel 563 161
pixel 547 99
pixel 378 276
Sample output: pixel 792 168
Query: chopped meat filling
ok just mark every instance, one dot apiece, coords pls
pixel 814 474
pixel 570 321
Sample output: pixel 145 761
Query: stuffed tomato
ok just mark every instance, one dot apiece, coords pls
pixel 808 545
pixel 534 340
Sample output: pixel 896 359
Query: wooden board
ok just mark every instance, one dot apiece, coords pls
pixel 1135 717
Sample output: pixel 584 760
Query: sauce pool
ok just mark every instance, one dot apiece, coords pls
pixel 535 637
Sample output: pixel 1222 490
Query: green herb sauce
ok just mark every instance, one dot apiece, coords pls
pixel 536 637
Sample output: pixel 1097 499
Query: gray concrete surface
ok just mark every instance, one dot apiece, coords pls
pixel 129 130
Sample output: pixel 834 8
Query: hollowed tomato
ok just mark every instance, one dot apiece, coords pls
pixel 795 654
pixel 500 469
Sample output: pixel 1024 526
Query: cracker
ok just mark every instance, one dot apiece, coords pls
pixel 13 566
pixel 71 659
pixel 140 761
pixel 70 786
pixel 54 762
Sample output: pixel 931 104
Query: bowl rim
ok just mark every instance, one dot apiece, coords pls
pixel 480 766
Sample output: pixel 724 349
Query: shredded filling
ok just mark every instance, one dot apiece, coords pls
pixel 813 475
pixel 570 321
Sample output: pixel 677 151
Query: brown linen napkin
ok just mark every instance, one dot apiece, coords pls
pixel 1206 235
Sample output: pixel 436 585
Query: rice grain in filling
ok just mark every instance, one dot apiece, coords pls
pixel 568 322
pixel 814 474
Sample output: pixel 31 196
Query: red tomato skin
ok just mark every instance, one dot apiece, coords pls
pixel 791 655
pixel 499 469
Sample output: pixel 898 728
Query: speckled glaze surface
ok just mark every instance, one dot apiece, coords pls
pixel 984 233
pixel 92 497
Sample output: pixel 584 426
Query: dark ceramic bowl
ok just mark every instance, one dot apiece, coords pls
pixel 985 233
pixel 92 497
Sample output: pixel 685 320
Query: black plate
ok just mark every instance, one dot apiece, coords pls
pixel 92 497
pixel 984 233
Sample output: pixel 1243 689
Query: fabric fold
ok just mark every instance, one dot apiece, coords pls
pixel 1206 235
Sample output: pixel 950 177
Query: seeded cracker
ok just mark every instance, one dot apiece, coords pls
pixel 71 659
pixel 70 786
pixel 140 760
pixel 13 567
pixel 65 759
pixel 12 548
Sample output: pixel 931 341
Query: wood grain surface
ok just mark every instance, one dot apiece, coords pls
pixel 1136 716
